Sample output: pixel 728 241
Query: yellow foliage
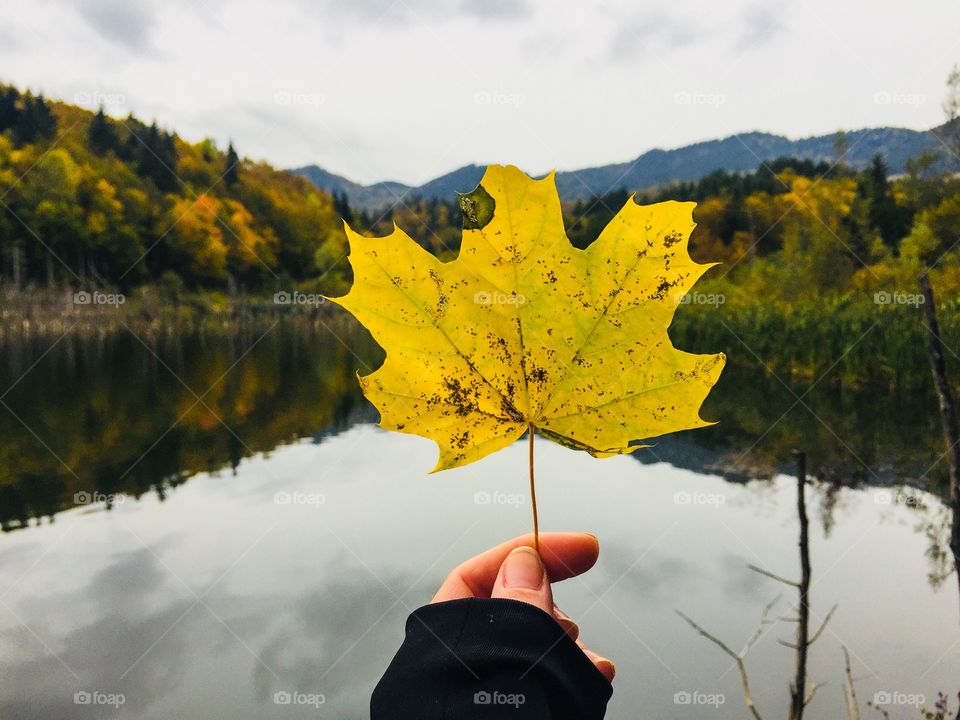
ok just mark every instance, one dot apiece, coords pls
pixel 197 238
pixel 524 331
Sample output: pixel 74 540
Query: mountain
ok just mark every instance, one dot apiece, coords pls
pixel 387 193
pixel 381 194
pixel 742 152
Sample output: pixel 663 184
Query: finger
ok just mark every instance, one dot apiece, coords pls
pixel 568 624
pixel 604 665
pixel 523 577
pixel 564 555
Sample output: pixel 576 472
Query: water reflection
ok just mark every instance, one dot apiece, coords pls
pixel 135 412
pixel 209 603
pixel 199 594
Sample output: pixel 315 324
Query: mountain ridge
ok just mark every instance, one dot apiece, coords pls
pixel 741 152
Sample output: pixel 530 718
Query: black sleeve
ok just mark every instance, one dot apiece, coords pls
pixel 481 658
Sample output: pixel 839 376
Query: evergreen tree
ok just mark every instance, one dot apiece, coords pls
pixel 35 120
pixel 25 129
pixel 102 135
pixel 884 215
pixel 156 155
pixel 8 108
pixel 341 205
pixel 46 120
pixel 231 175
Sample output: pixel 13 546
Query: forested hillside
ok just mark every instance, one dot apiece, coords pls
pixel 88 200
pixel 819 260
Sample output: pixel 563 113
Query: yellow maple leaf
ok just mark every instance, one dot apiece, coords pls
pixel 523 331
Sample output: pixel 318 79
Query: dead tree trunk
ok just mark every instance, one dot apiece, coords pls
pixel 798 688
pixel 800 695
pixel 948 416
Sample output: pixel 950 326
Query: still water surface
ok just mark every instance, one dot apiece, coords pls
pixel 269 538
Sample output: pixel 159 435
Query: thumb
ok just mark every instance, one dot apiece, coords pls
pixel 523 577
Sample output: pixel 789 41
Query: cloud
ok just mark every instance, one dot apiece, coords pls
pixel 124 22
pixel 496 9
pixel 637 36
pixel 761 24
pixel 429 10
pixel 8 40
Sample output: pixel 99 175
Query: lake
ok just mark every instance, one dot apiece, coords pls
pixel 196 521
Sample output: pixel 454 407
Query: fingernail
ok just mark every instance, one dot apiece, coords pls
pixel 523 569
pixel 600 661
pixel 569 627
pixel 603 663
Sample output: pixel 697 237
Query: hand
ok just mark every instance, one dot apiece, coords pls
pixel 514 570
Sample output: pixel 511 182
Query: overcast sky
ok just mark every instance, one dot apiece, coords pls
pixel 409 89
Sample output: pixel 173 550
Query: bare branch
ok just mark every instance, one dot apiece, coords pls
pixel 850 690
pixel 813 691
pixel 769 574
pixel 764 621
pixel 823 626
pixel 744 679
pixel 712 638
pixel 816 635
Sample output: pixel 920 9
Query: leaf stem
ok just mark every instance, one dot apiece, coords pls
pixel 533 497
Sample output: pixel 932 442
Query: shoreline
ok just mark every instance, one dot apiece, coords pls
pixel 53 313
